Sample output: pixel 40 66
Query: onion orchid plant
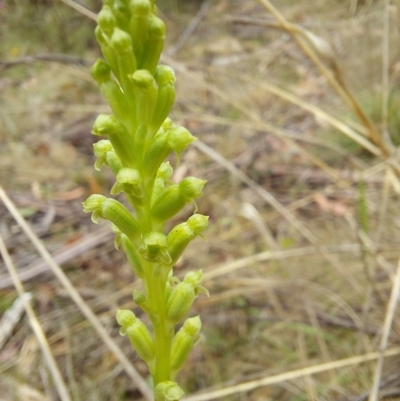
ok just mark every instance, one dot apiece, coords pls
pixel 140 137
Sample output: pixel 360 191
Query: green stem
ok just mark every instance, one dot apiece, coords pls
pixel 156 284
pixel 163 331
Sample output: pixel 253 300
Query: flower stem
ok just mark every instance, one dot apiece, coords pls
pixel 163 331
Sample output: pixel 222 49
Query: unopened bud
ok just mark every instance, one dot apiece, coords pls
pixel 132 255
pixel 163 178
pixel 154 44
pixel 101 71
pixel 107 124
pixel 141 11
pixel 181 235
pixel 165 172
pixel 165 78
pixel 117 100
pixel 183 296
pixel 121 12
pixel 100 149
pixel 138 334
pixel 175 197
pixel 168 391
pixel 140 7
pixel 146 92
pixel 107 51
pixel 121 41
pixel 156 153
pixel 179 139
pixel 191 188
pixel 113 161
pixel 114 211
pixel 141 300
pixel 106 20
pixel 183 342
pixel 154 248
pixel 128 180
pixel 167 204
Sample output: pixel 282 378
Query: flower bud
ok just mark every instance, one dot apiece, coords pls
pixel 140 8
pixel 165 78
pixel 143 80
pixel 107 124
pixel 101 37
pixel 183 343
pixel 138 334
pixel 132 255
pixel 106 20
pixel 183 296
pixel 194 277
pixel 168 391
pixel 146 95
pixel 181 235
pixel 117 100
pixel 179 139
pixel 180 302
pixel 121 12
pixel 191 188
pixel 142 301
pixel 113 161
pixel 154 248
pixel 129 181
pixel 121 42
pixel 114 211
pixel 156 153
pixel 94 204
pixel 154 44
pixel 175 197
pixel 198 223
pixel 167 204
pixel 125 317
pixel 164 75
pixel 141 11
pixel 100 149
pixel 165 172
pixel 108 52
pixel 101 71
pixel 106 155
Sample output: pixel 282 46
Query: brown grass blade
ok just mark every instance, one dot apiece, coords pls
pixel 391 308
pixel 35 325
pixel 294 374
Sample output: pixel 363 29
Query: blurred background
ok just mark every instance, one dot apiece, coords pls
pixel 296 109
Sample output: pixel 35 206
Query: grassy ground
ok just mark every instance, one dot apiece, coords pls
pixel 303 198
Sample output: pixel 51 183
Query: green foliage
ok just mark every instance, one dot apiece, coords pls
pixel 140 136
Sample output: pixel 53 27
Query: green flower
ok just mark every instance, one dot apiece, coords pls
pixel 183 296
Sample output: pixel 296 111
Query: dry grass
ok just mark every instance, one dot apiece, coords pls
pixel 293 104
